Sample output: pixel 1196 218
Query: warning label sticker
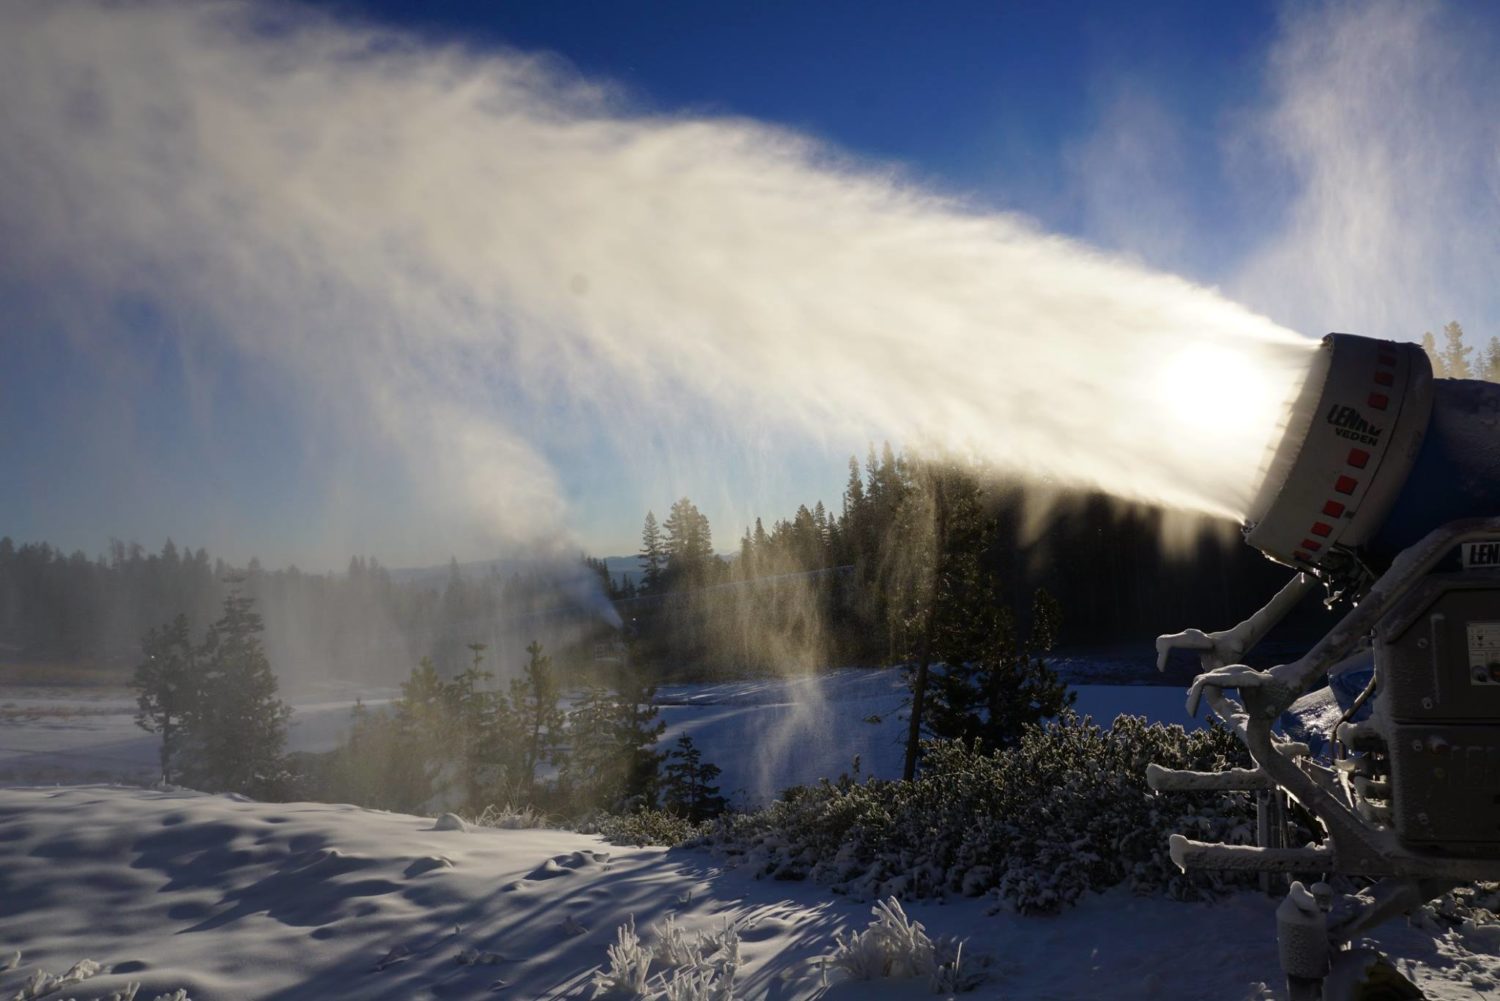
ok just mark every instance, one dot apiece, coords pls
pixel 1484 644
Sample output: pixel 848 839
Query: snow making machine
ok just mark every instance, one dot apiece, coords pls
pixel 1384 493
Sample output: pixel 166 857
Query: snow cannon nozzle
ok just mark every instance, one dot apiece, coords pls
pixel 1376 454
pixel 1351 441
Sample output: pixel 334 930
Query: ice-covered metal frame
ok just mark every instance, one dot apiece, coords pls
pixel 1314 925
pixel 1354 845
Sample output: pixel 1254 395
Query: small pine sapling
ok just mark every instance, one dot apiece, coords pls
pixel 688 787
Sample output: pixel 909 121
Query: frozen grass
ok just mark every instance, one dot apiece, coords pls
pixel 894 947
pixel 42 984
pixel 700 967
pixel 508 818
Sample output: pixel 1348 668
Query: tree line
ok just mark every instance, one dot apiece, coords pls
pixel 848 587
pixel 461 743
pixel 66 610
pixel 1456 360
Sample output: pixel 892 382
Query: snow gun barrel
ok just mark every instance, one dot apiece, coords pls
pixel 1376 454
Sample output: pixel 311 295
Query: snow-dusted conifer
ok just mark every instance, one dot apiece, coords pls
pixel 237 725
pixel 167 684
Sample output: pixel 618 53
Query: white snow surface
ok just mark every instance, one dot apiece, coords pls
pixel 228 898
pixel 765 734
pixel 61 734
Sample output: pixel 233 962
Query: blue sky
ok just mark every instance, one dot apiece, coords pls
pixel 1248 146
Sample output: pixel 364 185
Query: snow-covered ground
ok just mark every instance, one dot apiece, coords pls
pixel 90 735
pixel 766 735
pixel 234 899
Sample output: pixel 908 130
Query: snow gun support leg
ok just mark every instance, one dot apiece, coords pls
pixel 1409 799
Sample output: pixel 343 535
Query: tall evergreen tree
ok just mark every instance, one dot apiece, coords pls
pixel 424 731
pixel 482 730
pixel 1429 345
pixel 688 542
pixel 167 688
pixel 1006 685
pixel 653 556
pixel 237 727
pixel 536 701
pixel 612 762
pixel 972 676
pixel 1456 353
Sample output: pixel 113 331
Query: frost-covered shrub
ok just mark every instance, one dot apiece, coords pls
pixel 629 966
pixel 643 827
pixel 1065 811
pixel 43 984
pixel 675 949
pixel 896 948
pixel 700 968
pixel 1469 906
pixel 507 818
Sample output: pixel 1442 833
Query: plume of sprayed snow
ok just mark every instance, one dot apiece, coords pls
pixel 484 262
pixel 1383 120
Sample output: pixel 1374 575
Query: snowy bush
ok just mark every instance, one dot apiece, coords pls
pixel 643 827
pixel 629 966
pixel 43 984
pixel 1065 811
pixel 507 818
pixel 698 968
pixel 896 948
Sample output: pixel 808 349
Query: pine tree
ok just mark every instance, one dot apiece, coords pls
pixel 854 493
pixel 987 683
pixel 688 788
pixel 746 568
pixel 1429 345
pixel 237 727
pixel 611 762
pixel 536 701
pixel 167 687
pixel 423 732
pixel 1456 353
pixel 477 718
pixel 1492 361
pixel 374 767
pixel 653 557
pixel 688 544
pixel 588 767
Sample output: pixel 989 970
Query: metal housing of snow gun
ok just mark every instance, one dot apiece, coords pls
pixel 1385 488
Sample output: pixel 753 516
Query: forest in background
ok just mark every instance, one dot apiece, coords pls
pixel 813 590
